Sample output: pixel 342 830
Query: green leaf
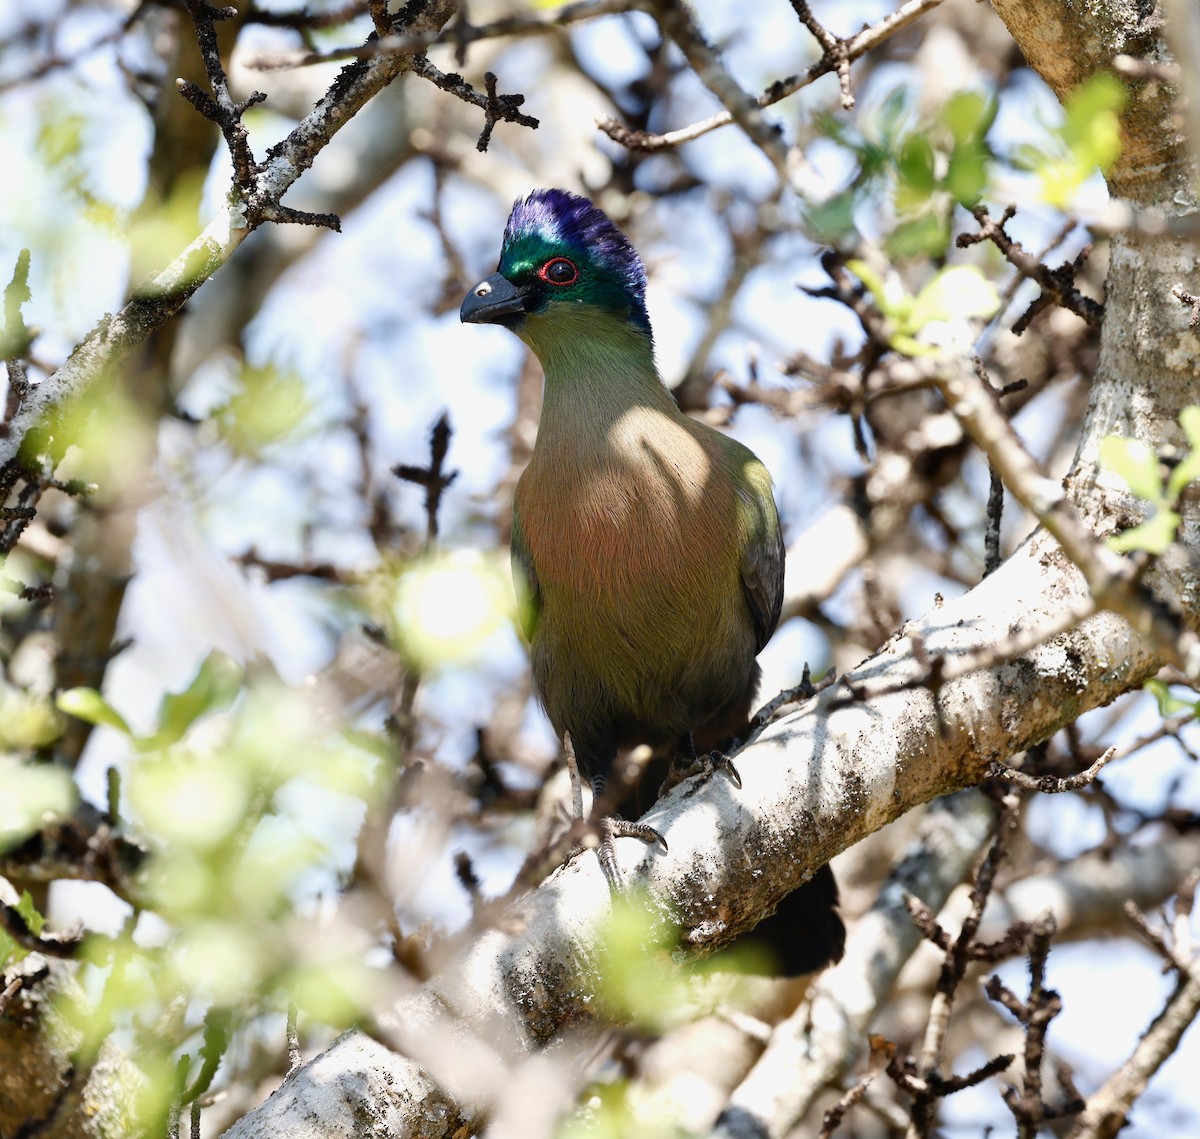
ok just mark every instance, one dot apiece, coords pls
pixel 1090 138
pixel 1189 420
pixel 958 292
pixel 1187 471
pixel 270 407
pixel 1134 462
pixel 915 165
pixel 831 222
pixel 892 114
pixel 215 685
pixel 29 914
pixel 967 174
pixel 88 705
pixel 9 949
pixel 1154 535
pixel 871 280
pixel 921 237
pixel 1169 704
pixel 969 115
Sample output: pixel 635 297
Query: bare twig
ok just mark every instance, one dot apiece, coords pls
pixel 833 49
pixel 855 47
pixel 461 34
pixel 431 477
pixel 1058 285
pixel 1107 1111
pixel 1051 784
pixel 1188 300
pixel 1028 1106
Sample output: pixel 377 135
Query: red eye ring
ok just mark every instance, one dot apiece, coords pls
pixel 559 271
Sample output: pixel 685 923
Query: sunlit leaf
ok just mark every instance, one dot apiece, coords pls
pixel 160 231
pixel 958 292
pixel 111 440
pixel 1188 469
pixel 225 961
pixel 1169 704
pixel 1088 140
pixel 187 800
pixel 87 704
pixel 889 295
pixel 1154 535
pixel 215 685
pixel 34 794
pixel 1134 462
pixel 35 922
pixel 270 407
pixel 447 608
pixel 637 980
pixel 27 721
pixel 335 993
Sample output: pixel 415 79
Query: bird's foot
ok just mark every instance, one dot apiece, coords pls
pixel 609 828
pixel 705 766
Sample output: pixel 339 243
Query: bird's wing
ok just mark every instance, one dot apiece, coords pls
pixel 762 547
pixel 525 582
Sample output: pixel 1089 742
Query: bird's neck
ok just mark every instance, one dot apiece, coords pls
pixel 597 369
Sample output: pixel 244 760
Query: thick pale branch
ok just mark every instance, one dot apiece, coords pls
pixel 813 783
pixel 821 1040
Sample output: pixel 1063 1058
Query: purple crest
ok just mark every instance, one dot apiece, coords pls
pixel 561 218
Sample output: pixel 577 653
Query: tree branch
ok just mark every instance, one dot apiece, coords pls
pixel 35 426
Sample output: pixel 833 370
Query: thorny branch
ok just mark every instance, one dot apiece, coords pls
pixel 462 34
pixel 922 1078
pixel 1058 285
pixel 1107 1111
pixel 851 49
pixel 496 108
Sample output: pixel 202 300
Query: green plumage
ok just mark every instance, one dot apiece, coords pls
pixel 646 546
pixel 647 543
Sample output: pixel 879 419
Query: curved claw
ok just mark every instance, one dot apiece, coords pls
pixel 719 761
pixel 611 827
pixel 705 766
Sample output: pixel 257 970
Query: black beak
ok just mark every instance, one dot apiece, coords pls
pixel 494 298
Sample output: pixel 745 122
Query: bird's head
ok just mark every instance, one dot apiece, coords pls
pixel 562 258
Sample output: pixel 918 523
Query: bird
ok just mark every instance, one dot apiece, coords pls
pixel 646 546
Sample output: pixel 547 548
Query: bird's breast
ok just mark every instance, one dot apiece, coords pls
pixel 644 507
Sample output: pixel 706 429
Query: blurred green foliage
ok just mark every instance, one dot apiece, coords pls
pixel 1139 467
pixel 958 294
pixel 1088 139
pixel 269 407
pixel 927 162
pixel 216 789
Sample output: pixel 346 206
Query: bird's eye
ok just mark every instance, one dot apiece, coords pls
pixel 559 271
